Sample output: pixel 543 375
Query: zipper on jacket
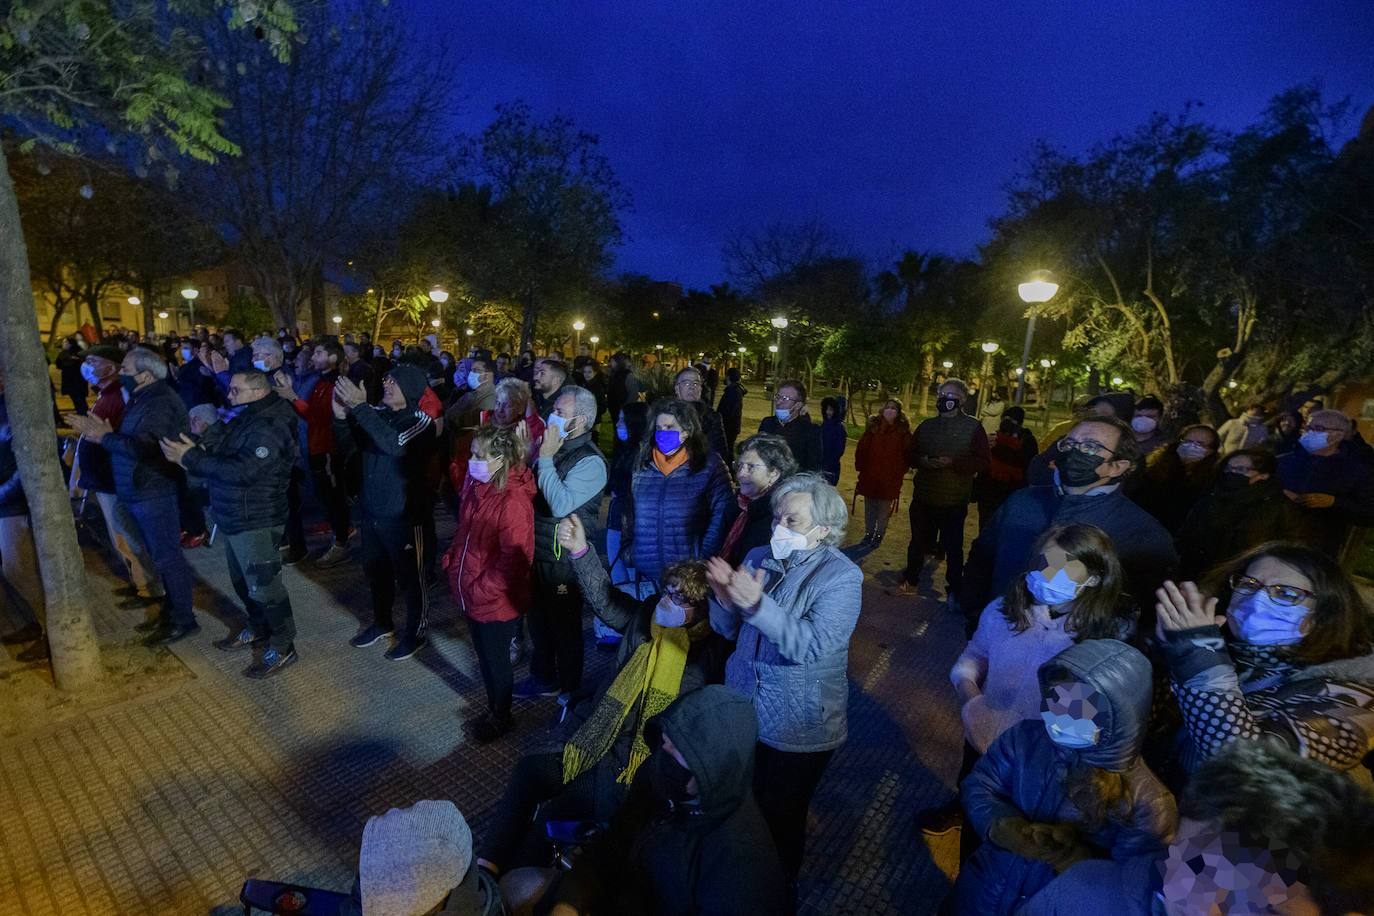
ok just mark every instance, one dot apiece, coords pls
pixel 461 561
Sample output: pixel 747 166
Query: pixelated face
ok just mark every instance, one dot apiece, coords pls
pixel 1074 714
pixel 1210 871
pixel 1056 558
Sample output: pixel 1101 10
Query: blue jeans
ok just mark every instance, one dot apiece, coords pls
pixel 160 522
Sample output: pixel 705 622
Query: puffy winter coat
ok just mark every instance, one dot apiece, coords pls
pixel 155 412
pixel 489 560
pixel 681 515
pixel 880 459
pixel 792 656
pixel 397 447
pixel 1024 774
pixel 714 856
pixel 248 465
pixel 803 438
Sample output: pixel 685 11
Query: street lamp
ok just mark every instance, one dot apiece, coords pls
pixel 189 293
pixel 578 325
pixel 338 320
pixel 1039 288
pixel 594 339
pixel 947 364
pixel 134 300
pixel 1116 380
pixel 989 348
pixel 1045 364
pixel 438 295
pixel 772 348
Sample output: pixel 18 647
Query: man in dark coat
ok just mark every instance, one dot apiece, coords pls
pixel 689 386
pixel 248 462
pixel 791 421
pixel 1328 481
pixel 147 483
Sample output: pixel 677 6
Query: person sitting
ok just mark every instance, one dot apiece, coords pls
pixel 684 505
pixel 1261 830
pixel 763 461
pixel 488 563
pixel 689 839
pixel 1245 508
pixel 667 649
pixel 1176 476
pixel 1070 787
pixel 1289 660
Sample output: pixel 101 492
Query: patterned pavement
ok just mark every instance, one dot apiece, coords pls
pixel 165 803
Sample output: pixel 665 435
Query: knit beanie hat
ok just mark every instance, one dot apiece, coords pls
pixel 105 351
pixel 412 857
pixel 411 380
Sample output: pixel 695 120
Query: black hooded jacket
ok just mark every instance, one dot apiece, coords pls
pixel 397 447
pixel 248 463
pixel 710 856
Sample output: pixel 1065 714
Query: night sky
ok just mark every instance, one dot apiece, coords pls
pixel 898 124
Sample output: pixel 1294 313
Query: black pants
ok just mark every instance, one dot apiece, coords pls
pixel 929 523
pixel 295 525
pixel 555 622
pixel 536 785
pixel 255 571
pixel 392 551
pixel 190 512
pixel 327 474
pixel 491 643
pixel 783 785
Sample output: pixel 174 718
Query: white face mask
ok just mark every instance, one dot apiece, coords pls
pixel 560 425
pixel 481 471
pixel 1052 591
pixel 1144 425
pixel 784 541
pixel 260 365
pixel 1191 451
pixel 668 614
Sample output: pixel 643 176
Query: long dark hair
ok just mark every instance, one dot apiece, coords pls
pixel 636 416
pixel 694 440
pixel 876 421
pixel 1340 622
pixel 1098 612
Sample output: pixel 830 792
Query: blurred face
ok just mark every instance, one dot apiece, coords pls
pixel 566 407
pixel 1209 871
pixel 391 394
pixel 1326 423
pixel 950 393
pixel 1054 558
pixel 1268 572
pixel 1151 412
pixel 102 368
pixel 1244 465
pixel 322 361
pixel 240 393
pixel 688 387
pixel 128 368
pixel 1203 439
pixel 1099 440
pixel 501 364
pixel 506 412
pixel 269 358
pixel 589 372
pixel 544 380
pixel 793 512
pixel 672 590
pixel 1287 423
pixel 755 477
pixel 891 411
pixel 351 352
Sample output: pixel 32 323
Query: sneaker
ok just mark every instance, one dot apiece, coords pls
pixel 243 640
pixel 533 687
pixel 291 557
pixel 189 541
pixel 272 662
pixel 405 648
pixel 336 554
pixel 368 636
pixel 488 728
pixel 168 634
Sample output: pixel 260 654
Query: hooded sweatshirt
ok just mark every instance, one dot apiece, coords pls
pixel 709 855
pixel 397 447
pixel 1024 774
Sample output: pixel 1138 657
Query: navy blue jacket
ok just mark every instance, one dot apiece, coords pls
pixel 1343 475
pixel 681 516
pixel 803 438
pixel 194 386
pixel 248 464
pixel 155 412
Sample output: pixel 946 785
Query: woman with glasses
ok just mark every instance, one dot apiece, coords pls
pixel 683 501
pixel 764 462
pixel 1280 650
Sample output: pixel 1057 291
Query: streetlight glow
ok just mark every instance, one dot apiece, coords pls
pixel 337 319
pixel 190 292
pixel 579 324
pixel 990 347
pixel 947 364
pixel 1116 380
pixel 1232 383
pixel 1044 364
pixel 594 339
pixel 779 323
pixel 772 348
pixel 162 314
pixel 469 332
pixel 1039 288
pixel 435 322
pixel 658 346
pixel 744 349
pixel 438 295
pixel 1020 371
pixel 134 300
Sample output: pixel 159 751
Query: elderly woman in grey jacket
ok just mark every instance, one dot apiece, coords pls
pixel 792 606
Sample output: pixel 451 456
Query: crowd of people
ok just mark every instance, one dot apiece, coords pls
pixel 1156 609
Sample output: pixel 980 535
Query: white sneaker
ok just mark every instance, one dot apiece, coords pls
pixel 335 555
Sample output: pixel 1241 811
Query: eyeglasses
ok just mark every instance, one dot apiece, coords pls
pixel 784 399
pixel 677 597
pixel 1323 429
pixel 748 467
pixel 690 385
pixel 1281 594
pixel 1086 446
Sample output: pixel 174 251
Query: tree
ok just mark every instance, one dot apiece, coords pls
pixel 553 215
pixel 328 141
pixel 71 70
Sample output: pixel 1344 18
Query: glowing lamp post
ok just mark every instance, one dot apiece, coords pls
pixel 989 348
pixel 338 320
pixel 1039 288
pixel 578 325
pixel 438 295
pixel 189 293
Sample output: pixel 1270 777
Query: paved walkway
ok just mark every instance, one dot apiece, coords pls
pixel 166 803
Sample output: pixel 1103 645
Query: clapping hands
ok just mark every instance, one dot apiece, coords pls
pixel 738 589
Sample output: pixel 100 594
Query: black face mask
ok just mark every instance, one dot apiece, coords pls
pixel 668 777
pixel 1233 483
pixel 947 402
pixel 1077 469
pixel 128 382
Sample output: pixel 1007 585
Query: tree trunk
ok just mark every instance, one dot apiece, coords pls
pixel 145 292
pixel 71 638
pixel 528 321
pixel 58 309
pixel 93 306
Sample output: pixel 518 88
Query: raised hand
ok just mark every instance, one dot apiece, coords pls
pixel 718 574
pixel 1184 608
pixel 281 384
pixel 349 393
pixel 746 589
pixel 218 362
pixel 92 427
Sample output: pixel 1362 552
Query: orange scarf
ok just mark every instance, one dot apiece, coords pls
pixel 669 465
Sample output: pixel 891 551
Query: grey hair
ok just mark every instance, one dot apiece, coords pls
pixel 827 505
pixel 584 402
pixel 513 387
pixel 146 360
pixel 269 347
pixel 773 451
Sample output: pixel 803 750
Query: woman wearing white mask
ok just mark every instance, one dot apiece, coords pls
pixel 792 607
pixel 488 563
pixel 1178 474
pixel 1288 659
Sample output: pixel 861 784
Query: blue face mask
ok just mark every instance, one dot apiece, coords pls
pixel 1264 622
pixel 1066 731
pixel 668 441
pixel 622 433
pixel 260 365
pixel 1312 440
pixel 783 415
pixel 1052 591
pixel 559 425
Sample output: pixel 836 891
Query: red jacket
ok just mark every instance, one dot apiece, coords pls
pixel 318 414
pixel 880 460
pixel 489 560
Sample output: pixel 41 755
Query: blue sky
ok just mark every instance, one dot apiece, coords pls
pixel 898 124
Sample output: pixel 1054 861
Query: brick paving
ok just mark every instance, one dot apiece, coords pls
pixel 166 803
